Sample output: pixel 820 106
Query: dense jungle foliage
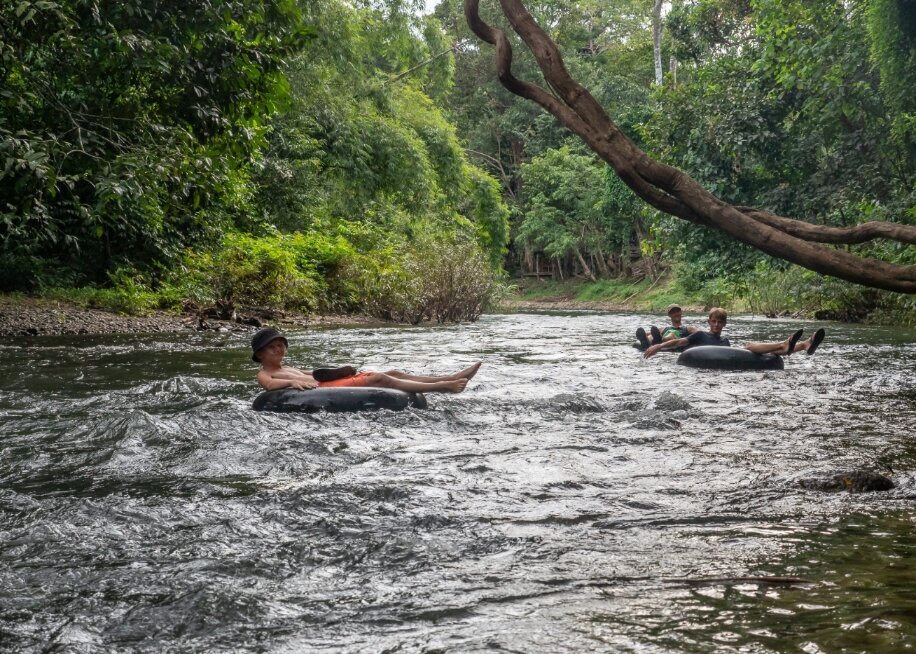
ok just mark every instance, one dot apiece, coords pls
pixel 240 152
pixel 359 155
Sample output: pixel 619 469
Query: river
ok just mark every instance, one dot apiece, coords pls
pixel 575 498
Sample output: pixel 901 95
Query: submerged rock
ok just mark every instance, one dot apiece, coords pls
pixel 854 481
pixel 649 419
pixel 574 403
pixel 668 401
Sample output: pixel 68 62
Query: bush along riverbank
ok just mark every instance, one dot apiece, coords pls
pixel 298 278
pixel 791 292
pixel 257 284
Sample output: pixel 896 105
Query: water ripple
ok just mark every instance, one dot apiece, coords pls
pixel 576 498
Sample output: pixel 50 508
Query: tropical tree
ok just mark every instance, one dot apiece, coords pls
pixel 575 216
pixel 669 189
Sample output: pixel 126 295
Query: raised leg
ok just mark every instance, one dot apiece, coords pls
pixel 642 338
pixel 785 347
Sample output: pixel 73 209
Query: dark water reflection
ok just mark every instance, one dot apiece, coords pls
pixel 145 507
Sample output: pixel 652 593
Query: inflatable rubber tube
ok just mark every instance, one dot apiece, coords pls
pixel 717 357
pixel 289 400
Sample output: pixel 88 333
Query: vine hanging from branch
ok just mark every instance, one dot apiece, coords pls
pixel 671 190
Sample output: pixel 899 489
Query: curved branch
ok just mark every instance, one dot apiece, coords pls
pixel 838 235
pixel 665 187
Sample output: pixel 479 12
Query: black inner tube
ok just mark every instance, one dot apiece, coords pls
pixel 290 400
pixel 717 357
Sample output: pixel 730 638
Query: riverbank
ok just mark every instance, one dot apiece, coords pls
pixel 31 316
pixel 604 295
pixel 818 298
pixel 26 316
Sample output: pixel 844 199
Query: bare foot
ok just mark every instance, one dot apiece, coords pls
pixel 456 386
pixel 469 372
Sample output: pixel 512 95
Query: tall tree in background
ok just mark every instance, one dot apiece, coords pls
pixel 363 142
pixel 657 40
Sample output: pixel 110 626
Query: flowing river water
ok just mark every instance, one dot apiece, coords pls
pixel 574 498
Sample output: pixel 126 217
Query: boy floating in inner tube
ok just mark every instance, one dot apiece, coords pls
pixel 269 347
pixel 676 330
pixel 717 320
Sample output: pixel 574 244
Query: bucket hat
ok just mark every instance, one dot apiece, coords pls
pixel 263 338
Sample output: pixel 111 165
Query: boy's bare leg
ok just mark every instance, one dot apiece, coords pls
pixel 384 380
pixel 767 348
pixel 426 379
pixel 467 373
pixel 781 347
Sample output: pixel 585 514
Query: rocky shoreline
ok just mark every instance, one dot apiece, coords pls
pixel 38 317
pixel 29 317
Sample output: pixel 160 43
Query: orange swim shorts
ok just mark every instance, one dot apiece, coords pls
pixel 359 379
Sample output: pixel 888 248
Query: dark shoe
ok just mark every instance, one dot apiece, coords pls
pixel 816 340
pixel 641 337
pixel 333 374
pixel 793 341
pixel 656 335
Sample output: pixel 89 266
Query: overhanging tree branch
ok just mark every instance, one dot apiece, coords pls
pixel 838 235
pixel 671 190
pixel 398 78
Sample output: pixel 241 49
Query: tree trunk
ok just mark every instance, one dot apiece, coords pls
pixel 601 263
pixel 674 192
pixel 614 265
pixel 642 235
pixel 585 268
pixel 657 40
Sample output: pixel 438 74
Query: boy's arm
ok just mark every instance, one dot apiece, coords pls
pixel 692 330
pixel 665 345
pixel 272 383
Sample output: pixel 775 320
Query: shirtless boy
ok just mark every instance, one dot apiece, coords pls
pixel 269 347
